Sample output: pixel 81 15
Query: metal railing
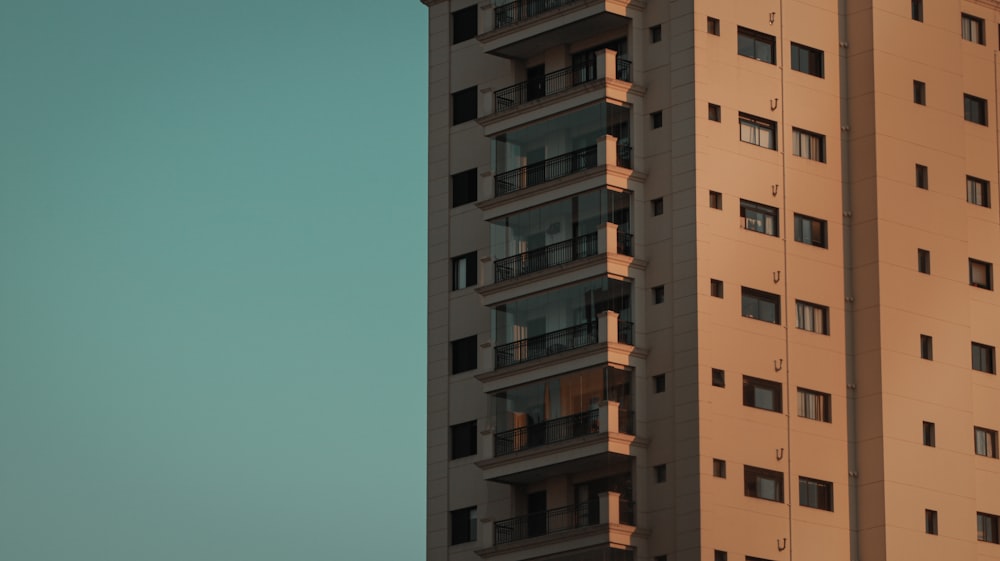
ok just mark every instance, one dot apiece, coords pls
pixel 547 170
pixel 546 522
pixel 623 69
pixel 625 332
pixel 545 345
pixel 548 432
pixel 555 82
pixel 519 10
pixel 624 243
pixel 549 256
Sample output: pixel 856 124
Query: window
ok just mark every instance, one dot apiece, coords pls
pixel 981 274
pixel 975 109
pixel 464 24
pixel 986 442
pixel 464 186
pixel 984 358
pixel 714 113
pixel 463 271
pixel 919 92
pixel 917 10
pixel 807 59
pixel 714 27
pixel 463 355
pixel 660 558
pixel 924 261
pixel 814 405
pixel 658 294
pixel 922 180
pixel 721 555
pixel 719 468
pixel 808 145
pixel 655 34
pixel 973 29
pixel 657 204
pixel 463 106
pixel 763 306
pixel 660 473
pixel 762 394
pixel 463 525
pixel 763 484
pixel 930 434
pixel 812 317
pixel 718 377
pixel 659 383
pixel 759 218
pixel 810 230
pixel 463 440
pixel 977 191
pixel 926 347
pixel 754 44
pixel 716 288
pixel 761 132
pixel 657 119
pixel 986 527
pixel 814 493
pixel 930 522
pixel 715 200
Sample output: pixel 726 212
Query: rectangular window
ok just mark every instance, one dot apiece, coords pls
pixel 655 34
pixel 464 24
pixel 762 306
pixel 807 59
pixel 716 288
pixel 714 113
pixel 922 178
pixel 973 29
pixel 463 271
pixel 808 145
pixel 754 44
pixel 762 394
pixel 814 405
pixel 984 358
pixel 721 555
pixel 659 383
pixel 657 204
pixel 759 218
pixel 981 274
pixel 812 317
pixel 975 109
pixel 977 191
pixel 463 525
pixel 463 440
pixel 814 493
pixel 657 119
pixel 986 442
pixel 930 434
pixel 926 347
pixel 718 377
pixel 763 484
pixel 919 92
pixel 762 132
pixel 463 106
pixel 719 468
pixel 715 200
pixel 924 261
pixel 660 473
pixel 930 522
pixel 464 187
pixel 658 294
pixel 810 230
pixel 714 27
pixel 986 527
pixel 917 10
pixel 463 355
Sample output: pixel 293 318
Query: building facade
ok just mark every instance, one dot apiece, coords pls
pixel 712 280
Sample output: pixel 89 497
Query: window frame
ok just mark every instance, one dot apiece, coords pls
pixel 820 412
pixel 976 110
pixel 464 105
pixel 985 442
pixel 923 261
pixel 815 493
pixel 718 378
pixel 751 385
pixel 464 187
pixel 926 347
pixel 752 476
pixel 930 522
pixel 917 10
pixel 757 297
pixel 809 145
pixel 467 445
pixel 761 219
pixel 973 29
pixel 813 58
pixel 753 125
pixel 807 314
pixel 659 383
pixel 756 39
pixel 713 26
pixel 806 227
pixel 457 38
pixel 922 180
pixel 987 527
pixel 470 276
pixel 461 363
pixel 977 191
pixel 719 468
pixel 919 92
pixel 468 517
pixel 980 274
pixel 656 33
pixel 929 434
pixel 984 358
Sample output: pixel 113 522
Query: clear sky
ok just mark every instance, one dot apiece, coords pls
pixel 212 280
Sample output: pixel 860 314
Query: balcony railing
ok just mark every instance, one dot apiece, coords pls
pixel 548 432
pixel 625 332
pixel 546 170
pixel 545 345
pixel 519 10
pixel 558 520
pixel 545 257
pixel 555 82
pixel 624 243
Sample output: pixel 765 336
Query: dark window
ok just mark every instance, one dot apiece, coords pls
pixel 660 558
pixel 973 29
pixel 759 218
pixel 981 274
pixel 807 59
pixel 814 405
pixel 715 200
pixel 463 271
pixel 657 119
pixel 660 473
pixel 657 206
pixel 714 113
pixel 716 288
pixel 814 493
pixel 658 294
pixel 763 484
pixel 984 358
pixel 463 440
pixel 718 377
pixel 464 24
pixel 463 355
pixel 655 34
pixel 754 44
pixel 464 187
pixel 986 442
pixel 975 109
pixel 930 522
pixel 924 261
pixel 919 92
pixel 917 10
pixel 930 434
pixel 755 130
pixel 977 191
pixel 463 106
pixel 714 27
pixel 926 347
pixel 812 317
pixel 762 394
pixel 463 525
pixel 810 230
pixel 808 145
pixel 986 527
pixel 922 180
pixel 659 383
pixel 762 306
pixel 721 555
pixel 719 468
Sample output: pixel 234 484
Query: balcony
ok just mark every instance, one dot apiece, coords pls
pixel 522 28
pixel 557 82
pixel 520 10
pixel 555 342
pixel 563 519
pixel 557 430
pixel 558 167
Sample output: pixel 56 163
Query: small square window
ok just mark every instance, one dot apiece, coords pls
pixel 463 106
pixel 762 394
pixel 814 493
pixel 660 473
pixel 930 522
pixel 755 130
pixel 659 383
pixel 986 442
pixel 657 204
pixel 924 261
pixel 658 294
pixel 981 274
pixel 463 271
pixel 655 34
pixel 814 405
pixel 809 230
pixel 463 525
pixel 759 218
pixel 812 317
pixel 919 92
pixel 721 555
pixel 718 377
pixel 756 45
pixel 917 10
pixel 714 27
pixel 714 113
pixel 719 468
pixel 657 119
pixel 463 355
pixel 973 29
pixel 716 288
pixel 975 110
pixel 763 484
pixel 926 347
pixel 984 358
pixel 922 180
pixel 464 24
pixel 808 145
pixel 929 434
pixel 977 191
pixel 463 440
pixel 464 187
pixel 807 59
pixel 762 306
pixel 987 526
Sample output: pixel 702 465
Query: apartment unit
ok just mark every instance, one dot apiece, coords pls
pixel 712 280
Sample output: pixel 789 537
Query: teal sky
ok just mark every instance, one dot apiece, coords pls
pixel 212 280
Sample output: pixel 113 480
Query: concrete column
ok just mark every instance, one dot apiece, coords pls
pixel 486 535
pixel 607 151
pixel 607 327
pixel 607 64
pixel 486 270
pixel 485 101
pixel 609 505
pixel 608 416
pixel 486 16
pixel 484 186
pixel 486 442
pixel 607 238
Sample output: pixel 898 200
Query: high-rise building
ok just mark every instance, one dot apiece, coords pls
pixel 713 280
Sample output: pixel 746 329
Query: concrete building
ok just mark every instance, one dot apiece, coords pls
pixel 713 280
